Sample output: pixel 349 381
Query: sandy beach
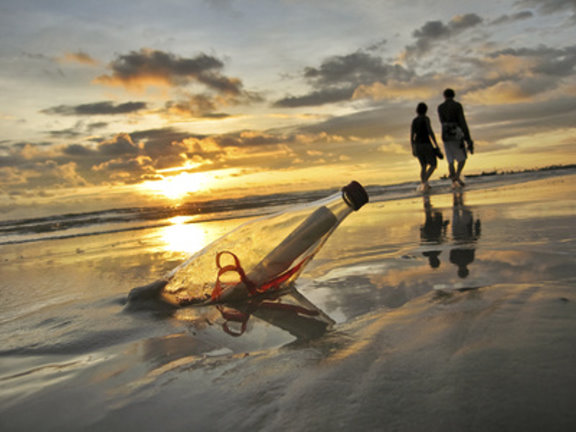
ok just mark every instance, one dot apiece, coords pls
pixel 444 312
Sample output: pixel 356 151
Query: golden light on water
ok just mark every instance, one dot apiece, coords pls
pixel 184 237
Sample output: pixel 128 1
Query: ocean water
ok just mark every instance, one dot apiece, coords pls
pixel 117 220
pixel 453 311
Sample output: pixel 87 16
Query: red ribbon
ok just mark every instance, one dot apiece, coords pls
pixel 273 284
pixel 234 315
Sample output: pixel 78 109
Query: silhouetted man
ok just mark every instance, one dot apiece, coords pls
pixel 454 133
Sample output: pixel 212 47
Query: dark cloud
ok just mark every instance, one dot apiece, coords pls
pixel 10 161
pixel 249 140
pixel 77 150
pixel 316 98
pixel 506 19
pixel 169 147
pixel 550 6
pixel 145 66
pixel 555 62
pixel 25 144
pixel 130 169
pixel 97 108
pixel 96 125
pixel 525 118
pixel 434 31
pixel 338 77
pixel 356 68
pixel 155 140
pixel 121 144
pixel 195 106
pixel 377 46
pixel 65 133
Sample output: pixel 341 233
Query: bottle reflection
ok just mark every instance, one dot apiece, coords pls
pixel 432 232
pixel 298 320
pixel 465 233
pixel 289 311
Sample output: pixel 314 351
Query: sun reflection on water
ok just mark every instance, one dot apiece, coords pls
pixel 183 236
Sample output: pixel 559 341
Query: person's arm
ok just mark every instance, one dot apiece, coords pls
pixel 431 132
pixel 440 113
pixel 464 126
pixel 412 135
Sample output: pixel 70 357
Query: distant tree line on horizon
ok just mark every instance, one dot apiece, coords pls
pixel 524 171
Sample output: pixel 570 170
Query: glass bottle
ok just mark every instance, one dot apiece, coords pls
pixel 266 254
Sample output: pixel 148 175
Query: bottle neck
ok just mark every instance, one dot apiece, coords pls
pixel 339 207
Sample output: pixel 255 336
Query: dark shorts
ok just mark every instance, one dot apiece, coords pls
pixel 425 154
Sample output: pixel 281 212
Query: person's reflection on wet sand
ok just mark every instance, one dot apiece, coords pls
pixel 433 231
pixel 465 232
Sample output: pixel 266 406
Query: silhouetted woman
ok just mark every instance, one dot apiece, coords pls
pixel 421 139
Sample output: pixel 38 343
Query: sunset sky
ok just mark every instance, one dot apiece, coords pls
pixel 106 104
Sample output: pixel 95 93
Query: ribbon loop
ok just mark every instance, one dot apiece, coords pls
pixel 273 284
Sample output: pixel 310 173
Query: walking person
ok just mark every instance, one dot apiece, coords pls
pixel 421 139
pixel 454 134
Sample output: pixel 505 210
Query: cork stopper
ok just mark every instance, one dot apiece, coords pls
pixel 355 195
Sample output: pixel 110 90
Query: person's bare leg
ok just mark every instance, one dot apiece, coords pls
pixel 429 173
pixel 423 173
pixel 459 172
pixel 452 173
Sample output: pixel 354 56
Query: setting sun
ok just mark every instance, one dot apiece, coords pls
pixel 178 186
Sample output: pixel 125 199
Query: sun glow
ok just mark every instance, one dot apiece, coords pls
pixel 178 186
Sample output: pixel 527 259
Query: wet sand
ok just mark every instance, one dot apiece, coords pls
pixel 446 312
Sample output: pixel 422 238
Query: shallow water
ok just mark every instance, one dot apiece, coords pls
pixel 452 312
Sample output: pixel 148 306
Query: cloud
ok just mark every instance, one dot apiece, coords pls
pixel 65 133
pixel 121 144
pixel 198 106
pixel 77 150
pixel 420 88
pixel 550 6
pixel 52 173
pixel 316 98
pixel 130 170
pixel 152 67
pixel 11 176
pixel 248 139
pixel 78 57
pixel 433 32
pixel 506 19
pixel 355 68
pixel 338 77
pixel 555 62
pixel 507 92
pixel 96 108
pixel 140 69
pixel 515 75
pixel 390 120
